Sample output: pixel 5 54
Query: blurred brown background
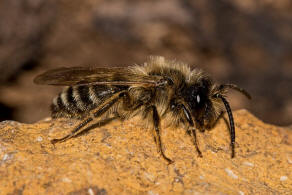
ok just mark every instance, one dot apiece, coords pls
pixel 248 43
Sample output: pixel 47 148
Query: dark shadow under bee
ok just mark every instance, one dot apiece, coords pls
pixel 158 90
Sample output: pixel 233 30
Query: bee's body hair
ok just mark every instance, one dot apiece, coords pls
pixel 171 91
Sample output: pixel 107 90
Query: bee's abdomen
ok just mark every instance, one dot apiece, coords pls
pixel 78 100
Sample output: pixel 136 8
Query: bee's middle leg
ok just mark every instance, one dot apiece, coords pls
pixel 157 138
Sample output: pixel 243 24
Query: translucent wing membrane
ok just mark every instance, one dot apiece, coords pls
pixel 96 76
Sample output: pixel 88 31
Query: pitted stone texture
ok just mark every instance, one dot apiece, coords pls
pixel 122 158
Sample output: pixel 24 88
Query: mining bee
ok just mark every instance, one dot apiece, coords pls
pixel 159 89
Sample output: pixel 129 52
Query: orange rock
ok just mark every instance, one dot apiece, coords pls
pixel 122 158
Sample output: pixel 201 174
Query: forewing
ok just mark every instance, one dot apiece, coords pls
pixel 97 76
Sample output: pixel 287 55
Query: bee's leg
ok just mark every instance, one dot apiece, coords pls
pixel 192 130
pixel 74 132
pixel 157 138
pixel 98 112
pixel 99 123
pixel 194 136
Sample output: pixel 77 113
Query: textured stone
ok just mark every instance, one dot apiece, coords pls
pixel 122 158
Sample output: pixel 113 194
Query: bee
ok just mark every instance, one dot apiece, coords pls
pixel 158 90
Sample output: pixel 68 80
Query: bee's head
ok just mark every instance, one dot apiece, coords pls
pixel 196 96
pixel 205 102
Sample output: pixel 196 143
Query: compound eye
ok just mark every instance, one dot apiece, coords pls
pixel 198 99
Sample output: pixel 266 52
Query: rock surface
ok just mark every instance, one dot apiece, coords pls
pixel 122 158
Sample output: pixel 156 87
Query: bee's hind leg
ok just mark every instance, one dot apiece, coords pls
pixel 78 130
pixel 73 133
pixel 98 112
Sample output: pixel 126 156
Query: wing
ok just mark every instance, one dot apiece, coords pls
pixel 96 76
